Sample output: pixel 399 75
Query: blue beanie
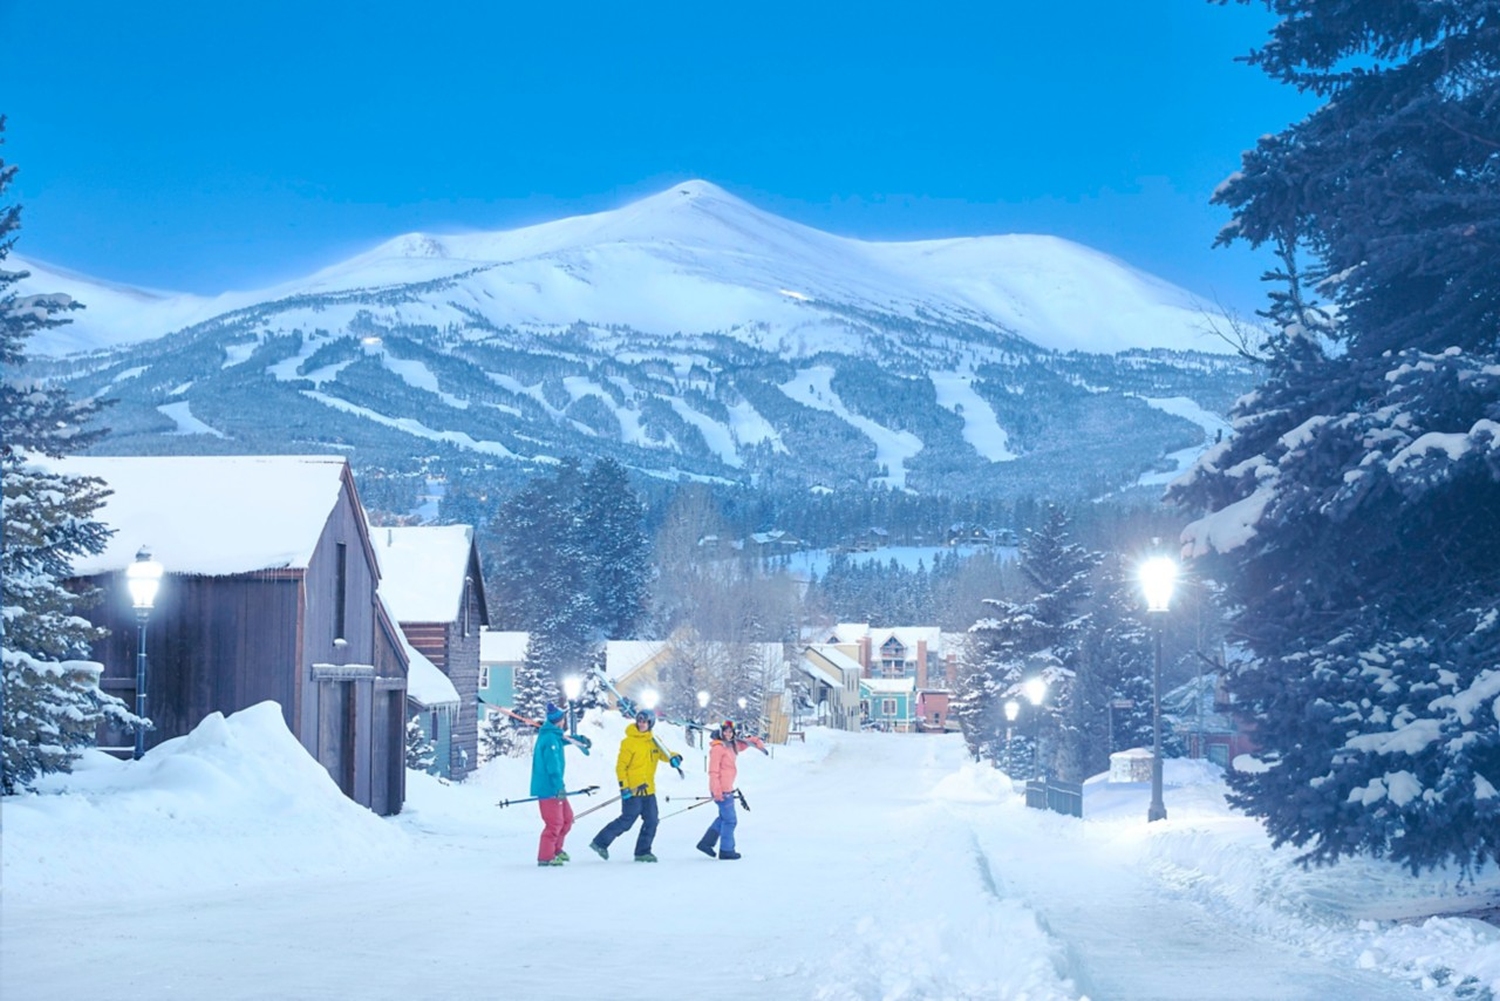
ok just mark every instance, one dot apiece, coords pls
pixel 554 714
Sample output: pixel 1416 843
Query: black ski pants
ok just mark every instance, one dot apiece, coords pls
pixel 643 807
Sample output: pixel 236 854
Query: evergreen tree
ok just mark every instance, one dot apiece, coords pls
pixel 420 754
pixel 619 570
pixel 52 703
pixel 1039 638
pixel 1355 515
pixel 499 736
pixel 536 681
pixel 1112 707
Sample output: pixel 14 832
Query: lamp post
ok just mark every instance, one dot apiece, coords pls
pixel 649 698
pixel 703 698
pixel 744 704
pixel 572 688
pixel 1012 710
pixel 142 579
pixel 1158 577
pixel 1036 690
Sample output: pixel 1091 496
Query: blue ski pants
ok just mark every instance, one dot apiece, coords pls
pixel 723 826
pixel 643 807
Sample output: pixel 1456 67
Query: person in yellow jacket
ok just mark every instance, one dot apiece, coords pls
pixel 640 752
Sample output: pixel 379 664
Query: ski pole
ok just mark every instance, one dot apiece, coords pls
pixel 585 791
pixel 702 801
pixel 585 813
pixel 743 803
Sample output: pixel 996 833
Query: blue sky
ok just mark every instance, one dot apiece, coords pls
pixel 206 146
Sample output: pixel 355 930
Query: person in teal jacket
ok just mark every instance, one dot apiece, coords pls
pixel 548 785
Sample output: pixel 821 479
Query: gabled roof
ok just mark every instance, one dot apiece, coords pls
pixel 831 655
pixel 211 515
pixel 621 657
pixel 422 570
pixel 889 686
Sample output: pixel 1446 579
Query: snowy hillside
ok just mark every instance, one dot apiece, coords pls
pixel 226 864
pixel 693 259
pixel 688 335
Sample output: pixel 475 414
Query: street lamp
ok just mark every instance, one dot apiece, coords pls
pixel 1036 690
pixel 1158 577
pixel 572 688
pixel 649 698
pixel 703 698
pixel 1012 710
pixel 142 579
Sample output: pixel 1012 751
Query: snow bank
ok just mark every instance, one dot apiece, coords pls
pixel 236 800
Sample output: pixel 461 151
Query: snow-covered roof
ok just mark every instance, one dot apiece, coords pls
pixel 426 684
pixel 838 658
pixel 623 656
pixel 211 515
pixel 909 637
pixel 502 647
pixel 422 570
pixel 810 666
pixel 851 632
pixel 889 686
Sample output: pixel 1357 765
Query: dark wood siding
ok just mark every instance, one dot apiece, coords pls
pixel 320 641
pixel 213 644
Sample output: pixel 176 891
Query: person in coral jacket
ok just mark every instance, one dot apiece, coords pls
pixel 724 750
pixel 640 752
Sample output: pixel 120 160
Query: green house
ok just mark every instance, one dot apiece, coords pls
pixel 501 654
pixel 888 703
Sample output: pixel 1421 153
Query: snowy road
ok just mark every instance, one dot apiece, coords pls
pixel 875 866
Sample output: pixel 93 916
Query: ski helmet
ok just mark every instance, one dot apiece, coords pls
pixel 647 716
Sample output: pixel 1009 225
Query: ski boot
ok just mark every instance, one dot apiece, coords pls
pixel 728 855
pixel 647 857
pixel 706 846
pixel 600 850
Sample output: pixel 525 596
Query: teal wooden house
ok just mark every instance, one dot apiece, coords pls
pixel 888 704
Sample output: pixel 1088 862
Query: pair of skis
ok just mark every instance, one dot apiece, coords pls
pixel 628 707
pixel 580 742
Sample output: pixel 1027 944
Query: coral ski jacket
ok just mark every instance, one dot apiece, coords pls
pixel 723 766
pixel 639 753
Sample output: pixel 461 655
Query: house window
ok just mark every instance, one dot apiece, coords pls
pixel 888 707
pixel 341 589
pixel 484 675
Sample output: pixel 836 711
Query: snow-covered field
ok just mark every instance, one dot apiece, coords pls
pixel 226 865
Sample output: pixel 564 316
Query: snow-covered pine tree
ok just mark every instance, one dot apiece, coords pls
pixel 535 681
pixel 499 736
pixel 52 701
pixel 420 754
pixel 611 520
pixel 1039 638
pixel 1115 667
pixel 1355 515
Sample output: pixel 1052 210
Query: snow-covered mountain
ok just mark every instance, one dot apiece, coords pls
pixel 695 258
pixel 687 335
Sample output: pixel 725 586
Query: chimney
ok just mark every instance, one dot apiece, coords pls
pixel 864 654
pixel 950 664
pixel 921 664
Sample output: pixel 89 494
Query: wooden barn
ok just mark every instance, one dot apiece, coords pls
pixel 269 593
pixel 430 579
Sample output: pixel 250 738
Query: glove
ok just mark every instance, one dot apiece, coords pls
pixel 626 793
pixel 640 790
pixel 675 761
pixel 562 793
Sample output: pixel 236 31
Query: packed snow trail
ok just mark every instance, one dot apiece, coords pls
pixel 875 866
